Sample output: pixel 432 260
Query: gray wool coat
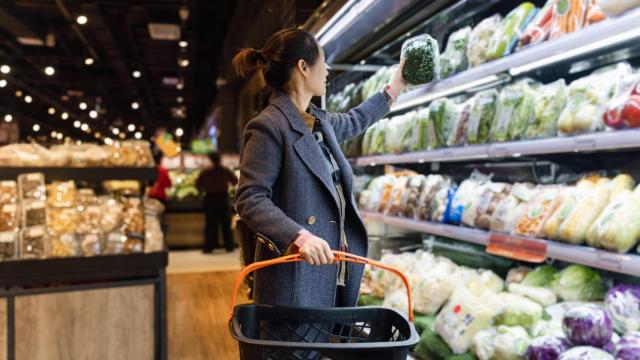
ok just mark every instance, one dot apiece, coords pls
pixel 285 186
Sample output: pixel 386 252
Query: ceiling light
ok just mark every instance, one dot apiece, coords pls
pixel 54 134
pixel 122 136
pixel 138 135
pixel 60 136
pixel 36 127
pixel 64 116
pixel 82 19
pixel 82 106
pixel 84 127
pixel 136 74
pixel 8 118
pixel 93 114
pixel 135 105
pixel 49 70
pixel 108 141
pixel 183 44
pixel 76 124
pixel 98 135
pixel 3 83
pixel 179 99
pixel 28 99
pixel 179 132
pixel 88 61
pixel 51 111
pixel 183 62
pixel 180 85
pixel 131 128
pixel 5 69
pixel 18 93
pixel 115 131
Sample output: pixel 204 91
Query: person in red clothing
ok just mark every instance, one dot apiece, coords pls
pixel 163 182
pixel 214 181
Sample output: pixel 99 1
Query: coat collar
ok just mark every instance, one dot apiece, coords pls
pixel 282 101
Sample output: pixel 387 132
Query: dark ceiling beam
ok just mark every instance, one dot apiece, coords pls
pixel 72 21
pixel 14 26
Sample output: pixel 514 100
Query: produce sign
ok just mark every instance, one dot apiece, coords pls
pixel 517 248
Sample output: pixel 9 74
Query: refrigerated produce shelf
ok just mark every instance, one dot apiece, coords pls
pixel 595 258
pixel 614 140
pixel 83 174
pixel 600 36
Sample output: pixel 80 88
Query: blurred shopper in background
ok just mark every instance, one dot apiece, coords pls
pixel 215 181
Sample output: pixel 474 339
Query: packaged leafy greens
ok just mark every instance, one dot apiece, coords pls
pixel 421 123
pixel 454 57
pixel 482 114
pixel 479 40
pixel 422 60
pixel 515 112
pixel 505 36
pixel 408 128
pixel 550 101
pixel 457 134
pixel 443 114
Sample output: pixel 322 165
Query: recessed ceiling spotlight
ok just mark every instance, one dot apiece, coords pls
pixel 88 61
pixel 179 132
pixel 115 131
pixel 179 99
pixel 3 83
pixel 18 93
pixel 77 124
pixel 82 20
pixel 60 136
pixel 138 135
pixel 84 127
pixel 93 114
pixel 82 106
pixel 183 44
pixel 122 136
pixel 136 74
pixel 8 118
pixel 28 99
pixel 183 62
pixel 180 85
pixel 108 141
pixel 36 127
pixel 64 116
pixel 49 70
pixel 131 128
pixel 5 69
pixel 51 111
pixel 135 105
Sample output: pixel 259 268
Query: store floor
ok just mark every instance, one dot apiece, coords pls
pixel 198 295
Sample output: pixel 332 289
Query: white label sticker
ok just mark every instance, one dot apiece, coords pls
pixel 8 236
pixel 35 232
pixel 9 208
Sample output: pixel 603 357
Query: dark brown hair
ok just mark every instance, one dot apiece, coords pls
pixel 278 57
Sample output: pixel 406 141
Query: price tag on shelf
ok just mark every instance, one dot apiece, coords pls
pixel 500 151
pixel 582 143
pixel 517 248
pixel 608 260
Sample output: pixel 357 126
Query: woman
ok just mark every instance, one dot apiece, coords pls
pixel 295 188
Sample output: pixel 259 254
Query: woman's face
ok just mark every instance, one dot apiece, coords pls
pixel 317 79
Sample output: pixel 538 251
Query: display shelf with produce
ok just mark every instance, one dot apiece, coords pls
pixel 614 140
pixel 595 258
pixel 147 174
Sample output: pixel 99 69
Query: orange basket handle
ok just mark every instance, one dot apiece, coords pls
pixel 339 256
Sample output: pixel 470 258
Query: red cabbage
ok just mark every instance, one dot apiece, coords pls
pixel 547 348
pixel 628 348
pixel 622 304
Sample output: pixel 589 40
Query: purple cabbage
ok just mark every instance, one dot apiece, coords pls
pixel 587 325
pixel 622 304
pixel 585 353
pixel 547 348
pixel 628 348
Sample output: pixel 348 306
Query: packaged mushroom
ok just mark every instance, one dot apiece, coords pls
pixel 61 193
pixel 34 213
pixel 8 245
pixel 63 245
pixel 31 186
pixel 8 192
pixel 33 242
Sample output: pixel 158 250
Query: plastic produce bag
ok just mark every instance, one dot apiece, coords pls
pixel 433 184
pixel 465 196
pixel 510 343
pixel 409 203
pixel 443 115
pixel 518 311
pixel 463 316
pixel 482 345
pixel 422 60
pixel 419 140
pixel 512 207
pixel 575 226
pixel 622 304
pixel 618 225
pixel 457 135
pixel 568 16
pixel 392 136
pixel 479 40
pixel 481 117
pixel 441 203
pixel 454 57
pixel 541 295
pixel 538 211
pixel 573 195
pixel 434 287
pixel 378 138
pixel 623 110
pixel 539 28
pixel 506 34
pixel 407 131
pixel 390 206
pixel 515 112
pixel 549 103
pixel 578 283
pixel 617 7
pixel 488 203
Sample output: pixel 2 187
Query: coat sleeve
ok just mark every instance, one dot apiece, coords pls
pixel 360 118
pixel 259 171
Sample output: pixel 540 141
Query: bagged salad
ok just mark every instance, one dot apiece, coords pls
pixel 511 208
pixel 479 40
pixel 538 211
pixel 482 114
pixel 539 28
pixel 457 134
pixel 419 140
pixel 568 16
pixel 422 60
pixel 549 103
pixel 393 135
pixel 618 225
pixel 515 112
pixel 506 34
pixel 454 57
pixel 443 114
pixel 407 131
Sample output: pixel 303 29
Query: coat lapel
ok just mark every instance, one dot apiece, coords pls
pixel 306 147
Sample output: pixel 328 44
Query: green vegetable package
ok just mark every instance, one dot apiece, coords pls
pixel 422 60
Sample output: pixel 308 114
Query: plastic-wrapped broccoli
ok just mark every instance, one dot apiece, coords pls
pixel 422 60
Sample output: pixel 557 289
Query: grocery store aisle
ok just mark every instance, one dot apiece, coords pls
pixel 198 297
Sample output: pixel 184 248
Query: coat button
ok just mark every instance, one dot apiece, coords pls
pixel 311 220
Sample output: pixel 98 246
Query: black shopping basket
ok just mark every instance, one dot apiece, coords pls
pixel 284 333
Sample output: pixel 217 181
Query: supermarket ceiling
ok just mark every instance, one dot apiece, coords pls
pixel 104 63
